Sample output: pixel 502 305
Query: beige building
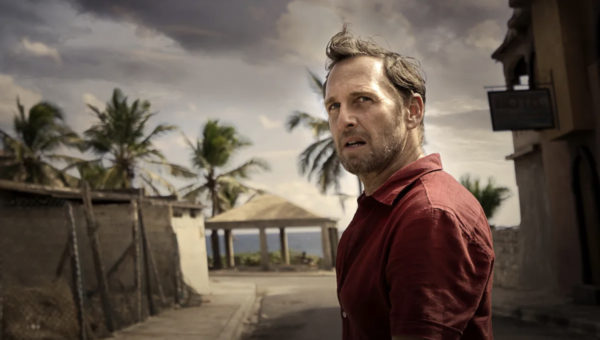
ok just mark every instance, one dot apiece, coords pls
pixel 554 45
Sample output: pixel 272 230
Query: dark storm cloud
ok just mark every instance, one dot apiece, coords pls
pixel 100 63
pixel 458 15
pixel 18 20
pixel 207 26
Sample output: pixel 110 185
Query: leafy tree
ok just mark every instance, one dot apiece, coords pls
pixel 319 158
pixel 119 137
pixel 39 134
pixel 213 152
pixel 221 188
pixel 490 196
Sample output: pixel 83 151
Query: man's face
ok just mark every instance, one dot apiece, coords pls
pixel 365 115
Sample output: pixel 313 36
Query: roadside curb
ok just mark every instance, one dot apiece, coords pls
pixel 233 328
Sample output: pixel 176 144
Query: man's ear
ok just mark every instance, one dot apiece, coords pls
pixel 416 111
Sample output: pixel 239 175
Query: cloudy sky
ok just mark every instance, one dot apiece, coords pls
pixel 246 62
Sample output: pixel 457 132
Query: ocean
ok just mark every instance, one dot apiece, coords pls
pixel 309 241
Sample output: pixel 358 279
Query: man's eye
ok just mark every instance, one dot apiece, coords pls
pixel 363 99
pixel 333 106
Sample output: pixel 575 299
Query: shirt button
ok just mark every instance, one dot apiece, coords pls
pixel 344 315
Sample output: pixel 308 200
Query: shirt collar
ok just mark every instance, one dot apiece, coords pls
pixel 404 177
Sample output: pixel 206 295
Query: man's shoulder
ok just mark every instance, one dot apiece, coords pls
pixel 439 191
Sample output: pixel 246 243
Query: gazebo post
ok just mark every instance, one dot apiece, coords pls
pixel 214 238
pixel 264 251
pixel 326 263
pixel 229 256
pixel 334 240
pixel 285 253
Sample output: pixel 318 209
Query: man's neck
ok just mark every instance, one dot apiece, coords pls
pixel 373 180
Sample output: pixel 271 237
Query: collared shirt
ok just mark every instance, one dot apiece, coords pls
pixel 416 260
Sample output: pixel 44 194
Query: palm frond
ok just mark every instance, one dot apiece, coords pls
pixel 316 83
pixel 175 169
pixel 306 157
pixel 490 197
pixel 242 170
pixel 319 126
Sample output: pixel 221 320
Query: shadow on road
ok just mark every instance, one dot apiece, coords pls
pixel 310 324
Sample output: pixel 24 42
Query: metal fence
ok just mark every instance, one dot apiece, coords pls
pixel 65 301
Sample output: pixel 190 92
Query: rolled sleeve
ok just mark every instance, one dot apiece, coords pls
pixel 436 275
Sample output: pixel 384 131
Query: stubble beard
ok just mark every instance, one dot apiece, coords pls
pixel 376 159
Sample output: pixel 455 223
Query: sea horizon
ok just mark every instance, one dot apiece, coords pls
pixel 298 241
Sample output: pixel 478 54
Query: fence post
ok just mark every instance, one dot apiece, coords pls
pixel 145 252
pixel 153 267
pixel 92 228
pixel 76 272
pixel 137 267
pixel 177 261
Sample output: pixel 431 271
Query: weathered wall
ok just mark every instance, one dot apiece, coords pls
pixel 34 234
pixel 192 250
pixel 506 265
pixel 32 240
pixel 536 229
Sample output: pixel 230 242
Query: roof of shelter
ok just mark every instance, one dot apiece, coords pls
pixel 96 195
pixel 267 210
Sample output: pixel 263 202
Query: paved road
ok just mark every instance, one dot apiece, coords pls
pixel 304 307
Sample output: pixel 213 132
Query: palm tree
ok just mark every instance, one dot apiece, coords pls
pixel 490 197
pixel 38 135
pixel 120 138
pixel 211 153
pixel 320 157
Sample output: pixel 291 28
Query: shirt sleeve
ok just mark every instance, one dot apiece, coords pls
pixel 436 276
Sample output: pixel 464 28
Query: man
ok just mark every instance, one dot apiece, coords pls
pixel 416 260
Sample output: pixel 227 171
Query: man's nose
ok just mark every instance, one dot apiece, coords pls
pixel 347 117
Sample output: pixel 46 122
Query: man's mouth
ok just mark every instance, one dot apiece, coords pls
pixel 354 143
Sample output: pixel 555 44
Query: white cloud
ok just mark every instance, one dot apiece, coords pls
pixel 40 49
pixel 90 99
pixel 192 107
pixel 456 104
pixel 486 35
pixel 287 153
pixel 269 123
pixel 9 91
pixel 304 30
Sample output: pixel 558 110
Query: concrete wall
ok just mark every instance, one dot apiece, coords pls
pixel 192 250
pixel 506 265
pixel 34 233
pixel 536 264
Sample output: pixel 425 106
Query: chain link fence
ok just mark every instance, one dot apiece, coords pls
pixel 67 272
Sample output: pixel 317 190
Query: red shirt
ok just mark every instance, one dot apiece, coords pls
pixel 417 260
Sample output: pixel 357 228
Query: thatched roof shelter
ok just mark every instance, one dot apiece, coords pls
pixel 267 210
pixel 271 211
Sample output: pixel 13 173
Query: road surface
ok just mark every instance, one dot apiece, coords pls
pixel 303 306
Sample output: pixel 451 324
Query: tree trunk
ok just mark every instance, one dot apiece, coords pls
pixel 214 237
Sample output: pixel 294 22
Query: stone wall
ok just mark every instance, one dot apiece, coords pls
pixel 506 265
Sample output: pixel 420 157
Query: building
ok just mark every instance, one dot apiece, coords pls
pixel 554 45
